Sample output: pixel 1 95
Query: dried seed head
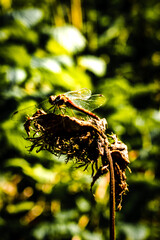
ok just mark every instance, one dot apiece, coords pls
pixel 60 134
pixel 81 140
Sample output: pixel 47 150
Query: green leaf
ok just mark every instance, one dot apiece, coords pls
pixel 135 232
pixel 83 205
pixel 18 32
pixel 14 55
pixel 38 172
pixel 19 207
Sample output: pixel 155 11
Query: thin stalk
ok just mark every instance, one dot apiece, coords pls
pixel 112 195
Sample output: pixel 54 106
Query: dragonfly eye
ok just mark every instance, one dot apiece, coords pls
pixel 52 99
pixel 58 98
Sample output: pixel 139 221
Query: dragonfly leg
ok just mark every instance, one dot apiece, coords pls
pixel 64 110
pixel 57 109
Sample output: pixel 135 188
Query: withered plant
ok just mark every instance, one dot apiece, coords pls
pixel 84 141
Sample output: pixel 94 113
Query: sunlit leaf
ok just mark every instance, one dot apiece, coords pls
pixel 58 230
pixel 46 63
pixel 20 32
pixel 3 35
pixel 69 37
pixel 16 75
pixel 64 216
pixel 136 232
pixel 83 204
pixel 29 17
pixel 55 47
pixel 94 64
pixel 65 60
pixel 112 32
pixel 17 208
pixel 38 172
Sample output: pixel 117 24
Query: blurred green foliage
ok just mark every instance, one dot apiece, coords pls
pixel 112 48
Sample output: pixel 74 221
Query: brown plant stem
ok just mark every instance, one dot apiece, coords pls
pixel 112 194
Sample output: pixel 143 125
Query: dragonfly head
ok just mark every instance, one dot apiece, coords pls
pixel 52 100
pixel 55 100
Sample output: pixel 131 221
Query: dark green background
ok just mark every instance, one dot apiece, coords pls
pixel 49 47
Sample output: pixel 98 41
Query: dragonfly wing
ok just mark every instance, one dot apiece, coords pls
pixel 22 114
pixel 95 101
pixel 83 93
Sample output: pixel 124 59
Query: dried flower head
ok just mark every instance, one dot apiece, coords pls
pixel 82 140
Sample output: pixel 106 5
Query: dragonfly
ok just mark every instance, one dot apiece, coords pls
pixel 81 100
